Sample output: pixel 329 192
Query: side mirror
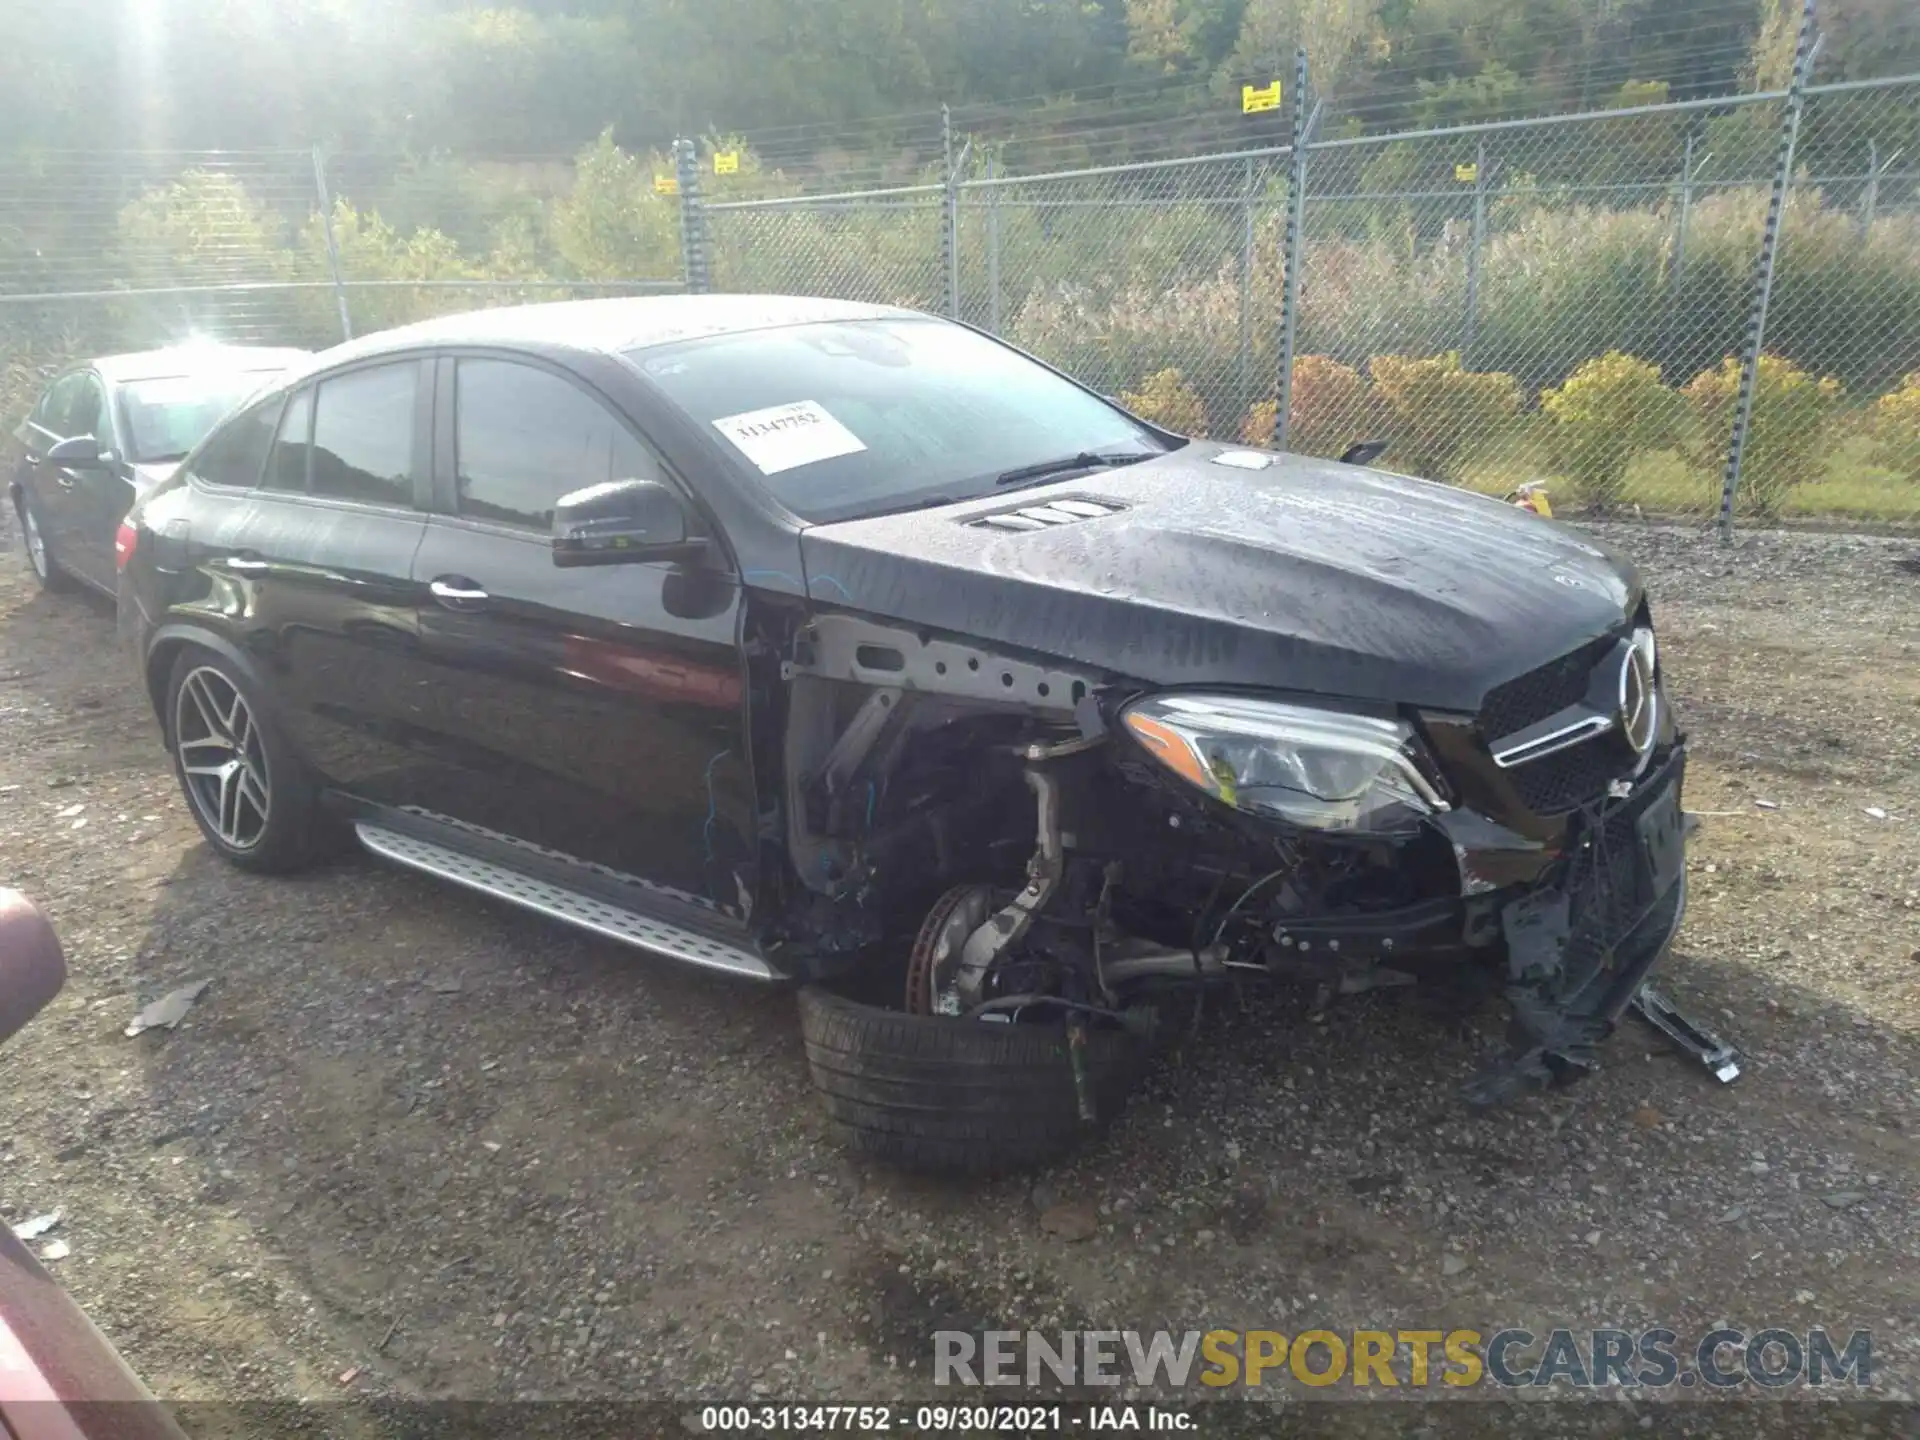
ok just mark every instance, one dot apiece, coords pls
pixel 1365 453
pixel 621 522
pixel 31 968
pixel 80 452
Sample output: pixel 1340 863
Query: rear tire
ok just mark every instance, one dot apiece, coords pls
pixel 938 1093
pixel 264 814
pixel 33 539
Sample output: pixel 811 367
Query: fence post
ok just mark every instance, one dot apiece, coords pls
pixel 693 219
pixel 1472 328
pixel 1295 246
pixel 333 248
pixel 993 251
pixel 1764 267
pixel 1683 215
pixel 950 217
pixel 1246 293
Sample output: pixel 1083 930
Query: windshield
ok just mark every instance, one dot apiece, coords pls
pixel 168 415
pixel 854 418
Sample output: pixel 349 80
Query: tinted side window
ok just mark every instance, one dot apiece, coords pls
pixel 56 409
pixel 524 437
pixel 288 468
pixel 48 410
pixel 235 452
pixel 363 435
pixel 89 401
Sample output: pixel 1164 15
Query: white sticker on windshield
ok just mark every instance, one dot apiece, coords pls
pixel 785 436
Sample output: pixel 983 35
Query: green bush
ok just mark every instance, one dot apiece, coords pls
pixel 1332 408
pixel 613 226
pixel 1168 401
pixel 204 228
pixel 1605 414
pixel 1437 411
pixel 1787 437
pixel 1895 428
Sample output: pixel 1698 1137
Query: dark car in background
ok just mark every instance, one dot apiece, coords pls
pixel 105 430
pixel 834 643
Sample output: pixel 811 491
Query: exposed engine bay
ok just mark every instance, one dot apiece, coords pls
pixel 1049 863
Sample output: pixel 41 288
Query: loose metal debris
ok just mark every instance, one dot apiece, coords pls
pixel 39 1225
pixel 169 1010
pixel 1690 1038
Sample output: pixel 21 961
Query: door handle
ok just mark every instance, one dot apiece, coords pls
pixel 456 590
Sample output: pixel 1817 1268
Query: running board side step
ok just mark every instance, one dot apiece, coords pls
pixel 558 902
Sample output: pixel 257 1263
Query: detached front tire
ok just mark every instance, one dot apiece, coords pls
pixel 938 1093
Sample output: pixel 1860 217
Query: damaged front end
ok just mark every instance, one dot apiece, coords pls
pixel 1052 845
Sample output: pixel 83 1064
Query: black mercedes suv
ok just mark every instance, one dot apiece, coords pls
pixel 841 644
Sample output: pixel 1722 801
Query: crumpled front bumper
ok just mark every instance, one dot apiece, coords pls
pixel 1582 941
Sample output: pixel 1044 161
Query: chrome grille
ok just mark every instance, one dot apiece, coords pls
pixel 1539 693
pixel 1563 781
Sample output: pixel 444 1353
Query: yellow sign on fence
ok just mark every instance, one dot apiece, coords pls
pixel 726 162
pixel 1466 174
pixel 1254 98
pixel 666 185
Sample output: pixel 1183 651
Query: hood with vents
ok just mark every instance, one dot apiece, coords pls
pixel 1308 576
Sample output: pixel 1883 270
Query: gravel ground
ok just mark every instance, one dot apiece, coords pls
pixel 412 1144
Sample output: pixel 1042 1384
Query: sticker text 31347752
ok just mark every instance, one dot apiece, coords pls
pixel 785 436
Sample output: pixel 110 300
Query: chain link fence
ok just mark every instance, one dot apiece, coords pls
pixel 1158 285
pixel 108 252
pixel 886 247
pixel 1529 303
pixel 1565 302
pixel 1569 301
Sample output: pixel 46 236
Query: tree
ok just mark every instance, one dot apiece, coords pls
pixel 614 226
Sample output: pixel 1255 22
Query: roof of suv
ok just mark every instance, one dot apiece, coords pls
pixel 612 325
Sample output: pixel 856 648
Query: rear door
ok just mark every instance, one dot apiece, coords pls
pixel 594 712
pixel 316 558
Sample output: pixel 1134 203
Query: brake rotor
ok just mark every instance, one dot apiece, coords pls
pixel 936 949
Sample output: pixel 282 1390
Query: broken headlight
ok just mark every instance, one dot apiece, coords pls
pixel 1323 769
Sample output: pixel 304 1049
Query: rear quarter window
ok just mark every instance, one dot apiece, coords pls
pixel 235 453
pixel 363 435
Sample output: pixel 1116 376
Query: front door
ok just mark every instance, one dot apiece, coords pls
pixel 85 552
pixel 72 407
pixel 597 712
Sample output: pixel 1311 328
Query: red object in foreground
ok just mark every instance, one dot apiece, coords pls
pixel 124 540
pixel 60 1379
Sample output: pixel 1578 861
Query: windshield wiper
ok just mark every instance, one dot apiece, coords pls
pixel 1085 460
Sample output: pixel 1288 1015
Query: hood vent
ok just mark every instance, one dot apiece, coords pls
pixel 1048 516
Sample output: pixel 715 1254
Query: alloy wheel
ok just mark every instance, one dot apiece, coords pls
pixel 222 757
pixel 36 542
